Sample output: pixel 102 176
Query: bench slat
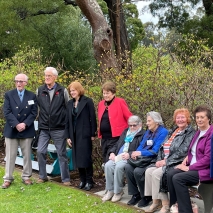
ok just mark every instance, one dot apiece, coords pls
pixel 49 168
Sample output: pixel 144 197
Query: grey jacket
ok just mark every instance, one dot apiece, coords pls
pixel 179 147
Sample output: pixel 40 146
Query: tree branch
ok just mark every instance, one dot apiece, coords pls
pixel 41 12
pixel 23 13
pixel 70 2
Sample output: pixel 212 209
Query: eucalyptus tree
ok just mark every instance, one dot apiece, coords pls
pixel 175 13
pixel 56 28
pixel 64 36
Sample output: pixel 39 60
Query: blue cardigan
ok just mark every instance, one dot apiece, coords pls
pixel 158 138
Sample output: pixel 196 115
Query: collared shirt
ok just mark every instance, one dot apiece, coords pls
pixel 54 86
pixel 51 91
pixel 21 94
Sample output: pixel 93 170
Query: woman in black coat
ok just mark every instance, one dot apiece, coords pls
pixel 81 128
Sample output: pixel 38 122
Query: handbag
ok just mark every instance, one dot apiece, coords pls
pixel 163 182
pixel 141 161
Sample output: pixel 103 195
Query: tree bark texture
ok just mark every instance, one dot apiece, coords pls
pixel 102 34
pixel 120 36
pixel 113 13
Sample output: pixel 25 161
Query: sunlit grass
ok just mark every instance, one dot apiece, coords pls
pixel 51 198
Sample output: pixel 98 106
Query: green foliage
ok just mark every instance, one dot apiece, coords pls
pixel 160 80
pixel 172 14
pixel 28 61
pixel 134 25
pixel 58 30
pixel 201 28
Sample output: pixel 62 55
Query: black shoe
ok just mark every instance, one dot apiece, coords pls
pixel 81 185
pixel 88 186
pixel 144 201
pixel 134 200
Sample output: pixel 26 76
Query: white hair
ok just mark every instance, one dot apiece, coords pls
pixel 156 117
pixel 22 74
pixel 52 69
pixel 135 118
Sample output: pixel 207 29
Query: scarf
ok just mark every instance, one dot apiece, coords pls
pixel 130 135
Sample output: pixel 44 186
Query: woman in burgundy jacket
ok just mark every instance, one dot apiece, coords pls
pixel 113 114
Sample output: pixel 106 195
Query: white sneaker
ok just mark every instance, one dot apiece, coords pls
pixel 108 196
pixel 117 197
pixel 174 208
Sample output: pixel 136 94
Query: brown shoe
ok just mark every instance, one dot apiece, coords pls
pixel 41 180
pixel 66 183
pixel 154 207
pixel 6 185
pixel 27 182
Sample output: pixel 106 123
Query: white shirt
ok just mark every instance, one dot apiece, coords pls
pixel 193 151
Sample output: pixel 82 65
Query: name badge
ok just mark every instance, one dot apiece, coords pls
pixel 149 142
pixel 31 102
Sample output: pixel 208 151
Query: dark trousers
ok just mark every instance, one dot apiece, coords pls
pixel 106 145
pixel 178 182
pixel 135 179
pixel 58 138
pixel 86 174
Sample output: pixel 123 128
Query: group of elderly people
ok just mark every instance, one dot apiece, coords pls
pixel 158 164
pixel 177 158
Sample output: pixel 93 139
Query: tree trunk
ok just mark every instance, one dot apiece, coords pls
pixel 113 12
pixel 102 34
pixel 120 36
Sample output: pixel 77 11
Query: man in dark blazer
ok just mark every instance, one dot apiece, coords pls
pixel 20 110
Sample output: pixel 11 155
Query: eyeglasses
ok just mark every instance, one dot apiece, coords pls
pixel 21 82
pixel 48 76
pixel 133 125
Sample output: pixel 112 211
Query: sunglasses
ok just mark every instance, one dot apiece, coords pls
pixel 133 125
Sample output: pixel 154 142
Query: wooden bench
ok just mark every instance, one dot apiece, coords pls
pixel 49 168
pixel 53 169
pixel 53 154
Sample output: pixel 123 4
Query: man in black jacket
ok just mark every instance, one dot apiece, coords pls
pixel 52 100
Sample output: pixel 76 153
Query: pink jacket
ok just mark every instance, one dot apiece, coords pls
pixel 203 154
pixel 118 116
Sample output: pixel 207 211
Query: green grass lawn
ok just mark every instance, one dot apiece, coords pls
pixel 51 198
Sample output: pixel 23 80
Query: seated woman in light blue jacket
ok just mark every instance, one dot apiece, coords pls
pixel 149 147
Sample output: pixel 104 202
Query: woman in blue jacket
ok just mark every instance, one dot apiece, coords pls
pixel 149 147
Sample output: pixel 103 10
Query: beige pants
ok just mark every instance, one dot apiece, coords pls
pixel 152 183
pixel 11 153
